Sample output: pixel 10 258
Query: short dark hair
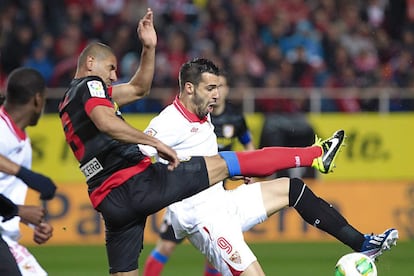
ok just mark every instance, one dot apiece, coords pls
pixel 95 49
pixel 191 71
pixel 23 83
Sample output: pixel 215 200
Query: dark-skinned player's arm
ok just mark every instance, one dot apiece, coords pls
pixel 36 181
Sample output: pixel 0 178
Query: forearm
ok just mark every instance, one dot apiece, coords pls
pixel 7 166
pixel 34 180
pixel 106 121
pixel 140 84
pixel 142 79
pixel 127 134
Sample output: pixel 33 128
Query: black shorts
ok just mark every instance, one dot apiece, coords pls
pixel 126 208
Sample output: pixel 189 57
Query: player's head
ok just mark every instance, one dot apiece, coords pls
pixel 25 92
pixel 199 84
pixel 97 59
pixel 193 70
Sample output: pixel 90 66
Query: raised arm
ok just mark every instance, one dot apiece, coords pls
pixel 140 84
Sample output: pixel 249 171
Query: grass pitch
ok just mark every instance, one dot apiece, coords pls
pixel 285 259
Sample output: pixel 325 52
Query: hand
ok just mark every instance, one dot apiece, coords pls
pixel 167 153
pixel 43 184
pixel 42 233
pixel 31 214
pixel 146 31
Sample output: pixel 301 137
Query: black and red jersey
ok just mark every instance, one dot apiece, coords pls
pixel 100 156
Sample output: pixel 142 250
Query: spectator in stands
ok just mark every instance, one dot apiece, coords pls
pixel 129 65
pixel 364 29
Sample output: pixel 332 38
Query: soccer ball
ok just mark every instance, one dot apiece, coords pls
pixel 355 264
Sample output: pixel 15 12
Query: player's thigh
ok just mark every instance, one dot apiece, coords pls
pixel 246 203
pixel 223 244
pixel 253 270
pixel 275 194
pixel 124 246
pixel 264 198
pixel 161 187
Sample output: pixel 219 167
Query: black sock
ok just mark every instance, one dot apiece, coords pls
pixel 319 213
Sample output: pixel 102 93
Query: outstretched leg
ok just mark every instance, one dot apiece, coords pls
pixel 266 161
pixel 283 192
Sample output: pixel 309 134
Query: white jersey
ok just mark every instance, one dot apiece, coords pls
pixel 188 136
pixel 214 219
pixel 15 145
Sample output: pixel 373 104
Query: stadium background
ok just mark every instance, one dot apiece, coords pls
pixel 355 56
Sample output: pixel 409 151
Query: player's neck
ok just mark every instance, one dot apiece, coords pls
pixel 18 115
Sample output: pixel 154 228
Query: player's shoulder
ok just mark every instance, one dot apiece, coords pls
pixel 167 117
pixel 83 82
pixel 92 84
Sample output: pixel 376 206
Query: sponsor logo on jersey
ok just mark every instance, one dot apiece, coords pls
pixel 92 168
pixel 228 131
pixel 150 132
pixel 96 89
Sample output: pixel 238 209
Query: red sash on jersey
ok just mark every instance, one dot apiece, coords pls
pixel 117 179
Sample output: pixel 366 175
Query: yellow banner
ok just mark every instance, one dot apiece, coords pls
pixel 378 146
pixel 368 206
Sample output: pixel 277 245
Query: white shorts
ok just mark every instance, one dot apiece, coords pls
pixel 26 262
pixel 219 235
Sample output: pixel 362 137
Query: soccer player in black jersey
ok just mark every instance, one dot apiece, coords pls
pixel 126 187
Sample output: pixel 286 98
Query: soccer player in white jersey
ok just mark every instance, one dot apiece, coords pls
pixel 214 220
pixel 229 126
pixel 25 98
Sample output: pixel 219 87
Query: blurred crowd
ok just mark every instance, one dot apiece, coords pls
pixel 260 43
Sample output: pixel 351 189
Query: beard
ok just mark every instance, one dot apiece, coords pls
pixel 199 103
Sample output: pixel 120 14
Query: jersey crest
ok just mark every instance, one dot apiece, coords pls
pixel 228 131
pixel 151 132
pixel 96 89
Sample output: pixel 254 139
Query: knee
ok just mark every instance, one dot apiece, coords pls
pixel 296 189
pixel 275 194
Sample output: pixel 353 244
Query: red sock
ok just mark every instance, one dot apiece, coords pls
pixel 210 270
pixel 154 264
pixel 269 160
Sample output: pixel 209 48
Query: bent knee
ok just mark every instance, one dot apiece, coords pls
pixel 275 194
